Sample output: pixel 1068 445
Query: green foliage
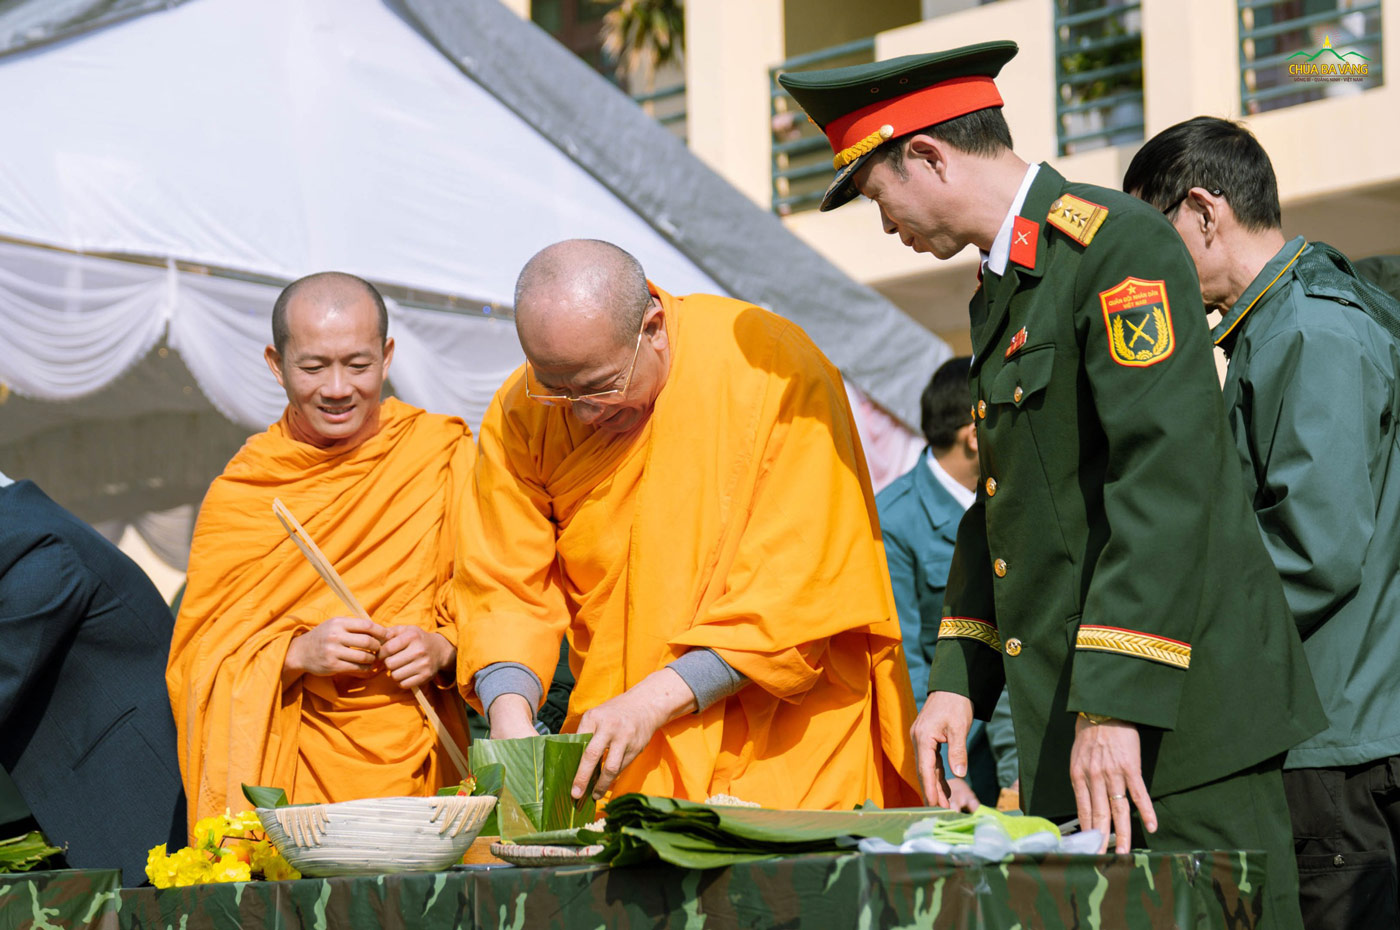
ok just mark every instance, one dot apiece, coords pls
pixel 262 796
pixel 23 853
pixel 643 35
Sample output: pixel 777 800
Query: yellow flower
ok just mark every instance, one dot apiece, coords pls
pixel 244 822
pixel 192 866
pixel 159 869
pixel 268 861
pixel 229 869
pixel 209 830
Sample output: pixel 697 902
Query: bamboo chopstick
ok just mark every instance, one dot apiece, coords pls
pixel 327 571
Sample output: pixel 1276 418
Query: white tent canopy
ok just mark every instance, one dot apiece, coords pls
pixel 162 175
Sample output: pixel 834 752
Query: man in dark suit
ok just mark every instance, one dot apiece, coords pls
pixel 85 724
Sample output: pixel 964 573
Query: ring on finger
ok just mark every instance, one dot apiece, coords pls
pixel 1117 797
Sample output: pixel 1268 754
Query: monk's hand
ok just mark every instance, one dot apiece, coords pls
pixel 414 655
pixel 1105 767
pixel 961 796
pixel 945 718
pixel 338 646
pixel 623 726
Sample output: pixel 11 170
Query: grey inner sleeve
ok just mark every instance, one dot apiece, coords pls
pixel 500 678
pixel 708 676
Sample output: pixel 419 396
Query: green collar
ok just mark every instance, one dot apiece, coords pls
pixel 1267 277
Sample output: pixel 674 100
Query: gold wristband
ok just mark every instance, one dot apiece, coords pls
pixel 1095 719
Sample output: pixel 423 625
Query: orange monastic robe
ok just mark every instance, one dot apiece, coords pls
pixel 739 518
pixel 385 515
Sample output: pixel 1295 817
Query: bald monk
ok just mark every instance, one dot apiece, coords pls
pixel 675 484
pixel 271 684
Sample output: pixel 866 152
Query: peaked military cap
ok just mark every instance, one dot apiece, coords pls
pixel 861 106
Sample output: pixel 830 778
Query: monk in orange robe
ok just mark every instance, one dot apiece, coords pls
pixel 270 683
pixel 675 484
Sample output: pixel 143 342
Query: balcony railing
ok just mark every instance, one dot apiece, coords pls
pixel 1296 51
pixel 1098 73
pixel 667 107
pixel 801 156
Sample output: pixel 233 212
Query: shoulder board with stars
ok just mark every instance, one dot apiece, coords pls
pixel 1076 217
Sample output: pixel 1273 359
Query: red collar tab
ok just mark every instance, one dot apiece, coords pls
pixel 1024 236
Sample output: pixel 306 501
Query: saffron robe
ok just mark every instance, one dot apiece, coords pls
pixel 384 513
pixel 738 517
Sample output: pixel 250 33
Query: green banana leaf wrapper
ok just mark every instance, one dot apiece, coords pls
pixel 535 776
pixel 706 836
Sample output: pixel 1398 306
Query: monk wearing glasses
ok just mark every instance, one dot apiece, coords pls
pixel 676 486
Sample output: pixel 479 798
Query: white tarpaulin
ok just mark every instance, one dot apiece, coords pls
pixel 281 138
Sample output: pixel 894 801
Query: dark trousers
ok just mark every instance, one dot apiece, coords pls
pixel 1246 810
pixel 1346 827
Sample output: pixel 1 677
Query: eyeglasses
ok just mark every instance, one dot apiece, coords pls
pixel 603 398
pixel 1214 192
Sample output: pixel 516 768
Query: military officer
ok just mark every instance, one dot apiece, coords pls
pixel 1109 572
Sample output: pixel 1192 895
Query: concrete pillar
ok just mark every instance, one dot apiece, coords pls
pixel 729 46
pixel 1191 57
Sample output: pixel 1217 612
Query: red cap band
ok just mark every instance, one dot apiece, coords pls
pixel 915 110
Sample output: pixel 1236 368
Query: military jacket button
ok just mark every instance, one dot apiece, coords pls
pixel 1013 646
pixel 982 409
pixel 1018 394
pixel 999 566
pixel 991 487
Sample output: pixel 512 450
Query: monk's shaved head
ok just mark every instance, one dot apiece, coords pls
pixel 324 289
pixel 581 282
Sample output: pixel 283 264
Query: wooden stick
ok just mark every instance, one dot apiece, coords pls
pixel 331 577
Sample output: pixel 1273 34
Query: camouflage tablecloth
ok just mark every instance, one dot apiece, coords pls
pixel 1189 891
pixel 68 898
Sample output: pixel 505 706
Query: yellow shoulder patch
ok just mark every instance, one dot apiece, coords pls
pixel 1076 217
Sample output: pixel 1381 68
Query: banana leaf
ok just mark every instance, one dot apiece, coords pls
pixel 538 775
pixel 703 836
pixel 23 853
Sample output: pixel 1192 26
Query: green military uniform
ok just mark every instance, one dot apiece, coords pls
pixel 1312 393
pixel 1111 563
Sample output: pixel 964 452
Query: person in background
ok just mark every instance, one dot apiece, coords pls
pixel 86 734
pixel 1312 392
pixel 919 516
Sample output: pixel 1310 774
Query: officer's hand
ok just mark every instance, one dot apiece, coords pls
pixel 623 726
pixel 1105 767
pixel 339 646
pixel 946 718
pixel 413 655
pixel 961 796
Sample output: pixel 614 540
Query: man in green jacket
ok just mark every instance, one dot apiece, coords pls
pixel 1312 392
pixel 1110 571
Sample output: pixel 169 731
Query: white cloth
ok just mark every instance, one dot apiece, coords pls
pixel 5 480
pixel 964 496
pixel 995 260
